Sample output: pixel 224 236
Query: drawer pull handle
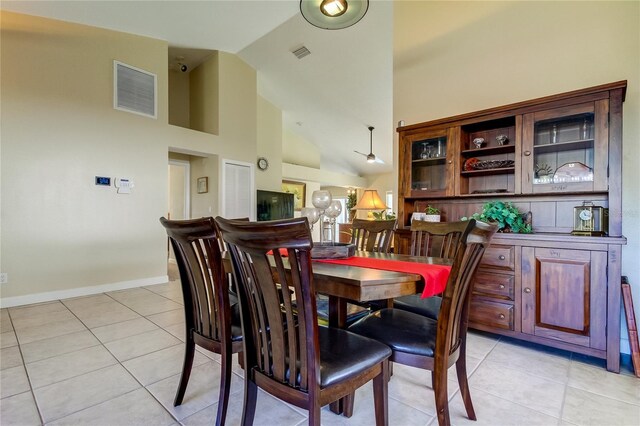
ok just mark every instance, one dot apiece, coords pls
pixel 450 161
pixel 501 316
pixel 501 286
pixel 501 257
pixel 527 290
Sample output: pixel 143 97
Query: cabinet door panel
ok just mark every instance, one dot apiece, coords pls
pixel 563 292
pixel 565 149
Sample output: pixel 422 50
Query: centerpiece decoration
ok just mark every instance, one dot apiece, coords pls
pixel 325 205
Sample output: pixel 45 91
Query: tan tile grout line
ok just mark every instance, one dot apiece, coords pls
pixel 26 372
pixel 123 367
pixel 100 343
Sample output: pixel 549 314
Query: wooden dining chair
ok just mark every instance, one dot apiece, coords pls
pixel 288 356
pixel 373 235
pixel 430 344
pixel 433 239
pixel 212 320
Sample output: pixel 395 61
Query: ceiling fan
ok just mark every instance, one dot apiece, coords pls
pixel 371 157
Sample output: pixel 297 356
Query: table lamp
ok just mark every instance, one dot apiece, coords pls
pixel 370 200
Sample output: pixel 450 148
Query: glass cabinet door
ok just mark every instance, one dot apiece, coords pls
pixel 429 172
pixel 565 150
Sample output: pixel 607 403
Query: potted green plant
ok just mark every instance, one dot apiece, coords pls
pixel 506 215
pixel 383 215
pixel 352 200
pixel 432 214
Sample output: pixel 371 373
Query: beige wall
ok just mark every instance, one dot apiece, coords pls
pixel 456 57
pixel 178 98
pixel 205 204
pixel 59 130
pixel 297 150
pixel 269 146
pixel 204 96
pixel 62 235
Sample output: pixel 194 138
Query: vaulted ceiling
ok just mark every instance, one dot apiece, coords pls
pixel 329 97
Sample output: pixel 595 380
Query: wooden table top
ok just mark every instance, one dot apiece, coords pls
pixel 365 284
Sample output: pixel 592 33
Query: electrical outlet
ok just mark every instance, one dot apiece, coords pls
pixel 4 278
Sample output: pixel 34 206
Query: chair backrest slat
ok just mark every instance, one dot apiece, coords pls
pixel 436 239
pixel 456 297
pixel 373 235
pixel 276 297
pixel 196 245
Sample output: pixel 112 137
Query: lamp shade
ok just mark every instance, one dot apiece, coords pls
pixel 370 200
pixel 324 14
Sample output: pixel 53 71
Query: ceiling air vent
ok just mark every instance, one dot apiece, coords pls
pixel 301 52
pixel 134 90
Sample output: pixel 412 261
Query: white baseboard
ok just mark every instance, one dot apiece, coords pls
pixel 8 302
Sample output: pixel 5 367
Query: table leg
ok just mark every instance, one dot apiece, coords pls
pixel 337 312
pixel 337 318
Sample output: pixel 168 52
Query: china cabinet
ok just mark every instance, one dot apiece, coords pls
pixel 546 156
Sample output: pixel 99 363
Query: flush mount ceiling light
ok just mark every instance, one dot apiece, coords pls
pixel 333 14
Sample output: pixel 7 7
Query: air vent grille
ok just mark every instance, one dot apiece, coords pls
pixel 301 52
pixel 134 90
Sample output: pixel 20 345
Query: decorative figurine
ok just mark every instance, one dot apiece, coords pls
pixel 478 142
pixel 502 139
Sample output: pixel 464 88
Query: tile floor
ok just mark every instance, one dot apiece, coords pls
pixel 115 359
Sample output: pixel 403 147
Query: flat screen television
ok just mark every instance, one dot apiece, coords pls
pixel 274 205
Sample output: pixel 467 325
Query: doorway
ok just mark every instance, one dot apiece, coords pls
pixel 179 202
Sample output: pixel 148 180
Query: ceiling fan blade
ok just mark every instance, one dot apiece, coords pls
pixel 379 160
pixel 358 152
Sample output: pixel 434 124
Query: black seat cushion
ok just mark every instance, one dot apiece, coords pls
pixel 401 330
pixel 428 307
pixel 236 326
pixel 344 354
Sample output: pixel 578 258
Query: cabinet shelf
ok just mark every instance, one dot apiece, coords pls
pixel 564 146
pixel 429 161
pixel 488 172
pixel 490 150
pixel 485 194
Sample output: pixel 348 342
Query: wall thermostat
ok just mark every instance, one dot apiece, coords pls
pixel 103 181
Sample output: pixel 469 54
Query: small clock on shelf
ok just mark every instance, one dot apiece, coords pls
pixel 590 220
pixel 263 163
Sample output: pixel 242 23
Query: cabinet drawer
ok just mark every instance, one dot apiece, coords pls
pixel 499 257
pixel 493 314
pixel 498 285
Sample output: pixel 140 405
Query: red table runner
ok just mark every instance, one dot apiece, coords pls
pixel 435 276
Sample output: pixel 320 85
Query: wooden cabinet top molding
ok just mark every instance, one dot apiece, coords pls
pixel 590 94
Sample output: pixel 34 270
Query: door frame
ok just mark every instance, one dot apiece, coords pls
pixel 187 184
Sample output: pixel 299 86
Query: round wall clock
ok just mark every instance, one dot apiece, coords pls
pixel 263 163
